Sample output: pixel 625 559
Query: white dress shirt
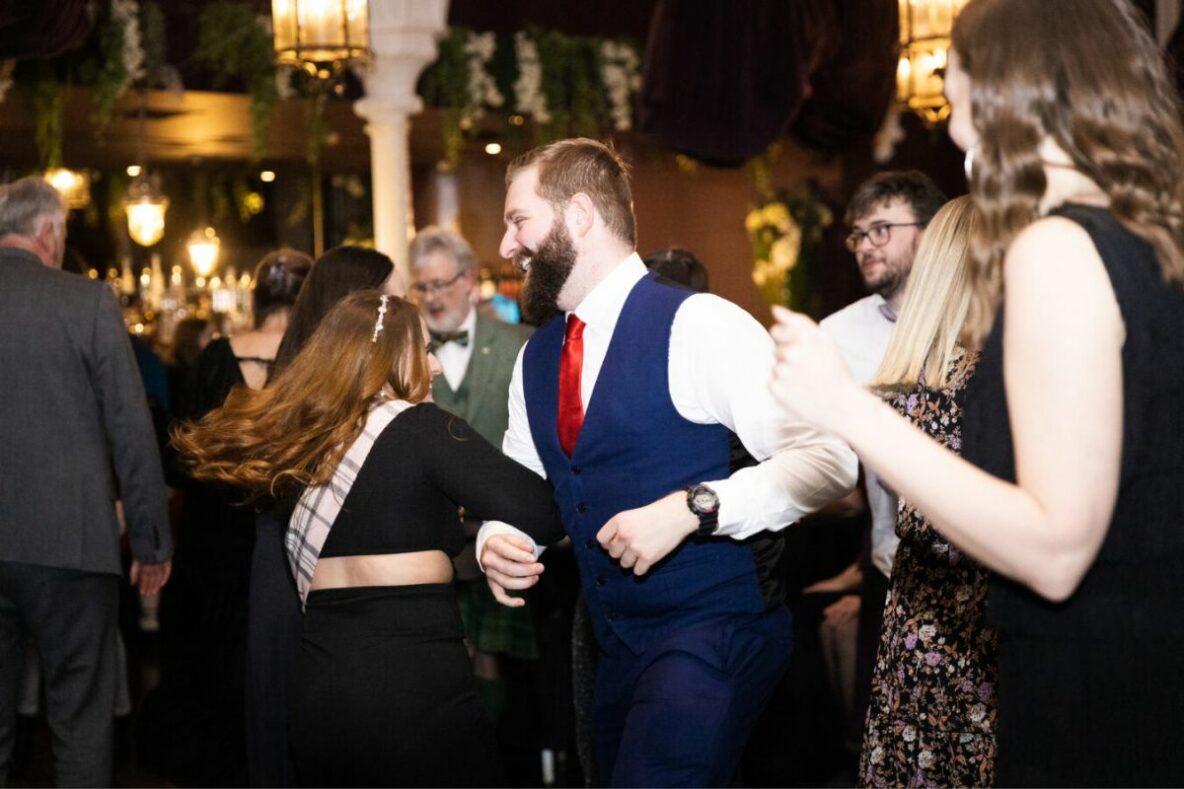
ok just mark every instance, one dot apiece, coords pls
pixel 454 357
pixel 720 363
pixel 861 330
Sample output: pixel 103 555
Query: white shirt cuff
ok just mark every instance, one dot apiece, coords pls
pixel 491 528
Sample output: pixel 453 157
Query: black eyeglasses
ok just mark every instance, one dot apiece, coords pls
pixel 878 234
pixel 436 285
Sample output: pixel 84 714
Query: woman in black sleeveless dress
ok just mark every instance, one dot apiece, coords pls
pixel 1074 422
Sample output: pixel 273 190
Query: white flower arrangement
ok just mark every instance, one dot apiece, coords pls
pixel 620 71
pixel 127 14
pixel 529 98
pixel 483 92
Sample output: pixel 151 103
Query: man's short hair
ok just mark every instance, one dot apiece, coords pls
pixel 441 239
pixel 568 167
pixel 915 188
pixel 25 201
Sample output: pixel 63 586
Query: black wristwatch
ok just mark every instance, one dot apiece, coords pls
pixel 704 502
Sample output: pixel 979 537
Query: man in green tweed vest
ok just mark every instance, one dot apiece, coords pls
pixel 478 355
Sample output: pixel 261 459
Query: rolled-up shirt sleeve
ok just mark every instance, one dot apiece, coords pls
pixel 518 445
pixel 721 360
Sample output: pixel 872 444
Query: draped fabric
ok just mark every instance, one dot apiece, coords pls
pixel 43 29
pixel 723 79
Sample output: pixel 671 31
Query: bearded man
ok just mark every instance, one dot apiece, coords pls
pixel 625 399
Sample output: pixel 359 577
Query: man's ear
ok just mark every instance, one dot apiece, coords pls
pixel 581 212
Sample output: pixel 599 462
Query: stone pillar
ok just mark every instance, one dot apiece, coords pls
pixel 403 35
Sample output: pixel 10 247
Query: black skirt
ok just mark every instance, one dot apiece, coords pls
pixel 384 692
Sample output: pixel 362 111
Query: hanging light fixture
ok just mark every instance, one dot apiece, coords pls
pixel 145 207
pixel 144 204
pixel 321 36
pixel 203 249
pixel 925 27
pixel 73 184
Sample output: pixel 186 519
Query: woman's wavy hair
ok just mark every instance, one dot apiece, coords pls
pixel 273 441
pixel 936 301
pixel 1088 75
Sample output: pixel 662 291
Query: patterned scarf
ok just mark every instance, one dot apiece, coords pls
pixel 319 505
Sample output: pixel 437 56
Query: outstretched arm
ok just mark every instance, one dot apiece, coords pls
pixel 720 360
pixel 1063 368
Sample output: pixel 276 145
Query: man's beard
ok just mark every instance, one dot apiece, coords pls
pixel 549 268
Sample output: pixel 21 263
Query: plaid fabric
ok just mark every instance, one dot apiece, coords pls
pixel 317 510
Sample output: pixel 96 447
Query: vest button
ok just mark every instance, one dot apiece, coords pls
pixel 600 580
pixel 589 544
pixel 612 616
pixel 581 507
pixel 575 470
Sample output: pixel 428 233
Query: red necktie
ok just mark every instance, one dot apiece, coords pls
pixel 571 405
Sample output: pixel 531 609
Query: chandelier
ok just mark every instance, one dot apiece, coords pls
pixel 925 27
pixel 320 36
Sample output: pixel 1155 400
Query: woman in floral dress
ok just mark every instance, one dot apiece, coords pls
pixel 932 713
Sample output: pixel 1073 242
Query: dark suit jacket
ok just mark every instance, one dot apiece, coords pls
pixel 495 348
pixel 75 432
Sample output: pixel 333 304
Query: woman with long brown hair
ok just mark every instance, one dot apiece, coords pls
pixel 1074 423
pixel 383 692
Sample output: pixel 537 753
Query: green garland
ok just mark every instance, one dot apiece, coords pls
pixel 232 45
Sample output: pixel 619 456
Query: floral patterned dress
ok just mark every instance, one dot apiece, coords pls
pixel 931 720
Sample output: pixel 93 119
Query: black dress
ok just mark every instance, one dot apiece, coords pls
pixel 194 721
pixel 1091 690
pixel 384 692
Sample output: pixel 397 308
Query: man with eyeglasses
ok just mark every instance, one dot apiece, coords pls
pixel 886 218
pixel 477 354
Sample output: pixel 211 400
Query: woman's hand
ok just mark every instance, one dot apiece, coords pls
pixel 810 377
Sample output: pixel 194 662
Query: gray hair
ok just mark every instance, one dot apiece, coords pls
pixel 438 239
pixel 25 201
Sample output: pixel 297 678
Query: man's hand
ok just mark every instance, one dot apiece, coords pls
pixel 642 537
pixel 843 610
pixel 509 564
pixel 150 578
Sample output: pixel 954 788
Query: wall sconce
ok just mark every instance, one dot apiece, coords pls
pixel 203 247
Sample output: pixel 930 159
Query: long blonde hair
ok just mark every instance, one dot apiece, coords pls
pixel 293 433
pixel 936 301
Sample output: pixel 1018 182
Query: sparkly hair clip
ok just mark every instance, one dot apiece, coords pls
pixel 381 315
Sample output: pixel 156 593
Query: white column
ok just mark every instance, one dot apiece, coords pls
pixel 403 35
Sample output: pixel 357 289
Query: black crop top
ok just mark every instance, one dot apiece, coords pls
pixel 424 465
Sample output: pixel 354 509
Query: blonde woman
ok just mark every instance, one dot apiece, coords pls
pixel 931 718
pixel 1072 487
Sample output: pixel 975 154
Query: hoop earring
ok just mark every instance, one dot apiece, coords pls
pixel 968 162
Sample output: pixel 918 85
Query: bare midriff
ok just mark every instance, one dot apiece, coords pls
pixel 383 569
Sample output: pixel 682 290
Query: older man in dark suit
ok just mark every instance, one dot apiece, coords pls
pixel 477 354
pixel 77 437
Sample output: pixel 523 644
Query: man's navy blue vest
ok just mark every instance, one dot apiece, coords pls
pixel 634 448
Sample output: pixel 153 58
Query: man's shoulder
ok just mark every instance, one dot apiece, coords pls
pixel 500 333
pixel 857 315
pixel 66 289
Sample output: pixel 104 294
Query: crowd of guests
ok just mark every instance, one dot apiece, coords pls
pixel 367 482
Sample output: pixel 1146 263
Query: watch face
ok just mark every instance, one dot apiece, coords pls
pixel 704 499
